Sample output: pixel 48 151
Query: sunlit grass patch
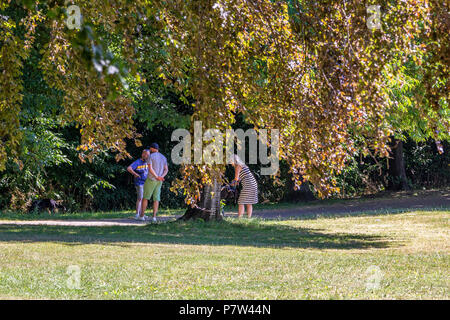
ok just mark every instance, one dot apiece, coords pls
pixel 390 256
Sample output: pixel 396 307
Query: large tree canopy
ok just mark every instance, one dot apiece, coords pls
pixel 314 71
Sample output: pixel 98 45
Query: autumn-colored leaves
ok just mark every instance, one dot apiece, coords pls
pixel 314 70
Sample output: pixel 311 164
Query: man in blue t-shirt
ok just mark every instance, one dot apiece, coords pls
pixel 139 169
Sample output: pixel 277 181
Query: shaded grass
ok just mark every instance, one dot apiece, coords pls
pixel 123 214
pixel 320 258
pixel 442 198
pixel 229 232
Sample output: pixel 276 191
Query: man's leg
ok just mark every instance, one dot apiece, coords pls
pixel 143 207
pixel 138 206
pixel 149 188
pixel 140 194
pixel 155 208
pixel 156 198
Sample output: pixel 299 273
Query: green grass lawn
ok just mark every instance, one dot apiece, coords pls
pixel 44 215
pixel 120 214
pixel 402 255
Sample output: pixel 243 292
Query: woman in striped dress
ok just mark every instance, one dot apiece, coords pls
pixel 249 193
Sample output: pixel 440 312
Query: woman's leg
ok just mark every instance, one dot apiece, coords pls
pixel 240 210
pixel 249 210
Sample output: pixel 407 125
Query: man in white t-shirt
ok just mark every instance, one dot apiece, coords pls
pixel 157 170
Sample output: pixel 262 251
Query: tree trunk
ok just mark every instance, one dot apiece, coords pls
pixel 397 172
pixel 211 200
pixel 209 207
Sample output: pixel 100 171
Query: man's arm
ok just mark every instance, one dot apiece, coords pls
pixel 130 170
pixel 166 170
pixel 151 171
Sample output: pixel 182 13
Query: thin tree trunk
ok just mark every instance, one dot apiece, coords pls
pixel 211 200
pixel 209 207
pixel 397 170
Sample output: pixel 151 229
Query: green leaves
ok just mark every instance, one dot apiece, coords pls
pixel 313 70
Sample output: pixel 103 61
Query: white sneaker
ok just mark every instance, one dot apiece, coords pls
pixel 139 218
pixel 154 219
pixel 146 218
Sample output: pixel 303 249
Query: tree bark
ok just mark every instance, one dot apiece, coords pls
pixel 397 172
pixel 209 207
pixel 211 200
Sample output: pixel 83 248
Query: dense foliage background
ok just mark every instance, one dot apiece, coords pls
pixel 105 185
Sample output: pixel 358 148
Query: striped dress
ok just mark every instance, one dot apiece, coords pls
pixel 249 192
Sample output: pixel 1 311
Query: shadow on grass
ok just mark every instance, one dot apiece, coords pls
pixel 249 233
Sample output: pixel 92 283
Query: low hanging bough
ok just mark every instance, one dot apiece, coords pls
pixel 316 72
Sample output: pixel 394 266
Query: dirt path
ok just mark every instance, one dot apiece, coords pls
pixel 84 223
pixel 401 200
pixel 417 200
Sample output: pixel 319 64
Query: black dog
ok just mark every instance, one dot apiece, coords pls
pixel 196 213
pixel 229 194
pixel 46 204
